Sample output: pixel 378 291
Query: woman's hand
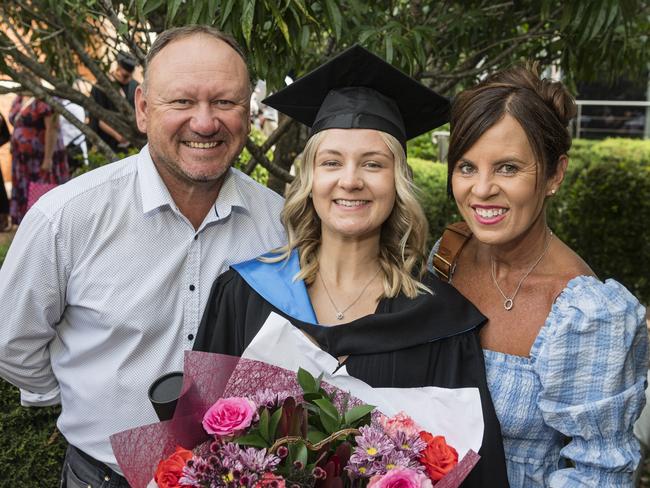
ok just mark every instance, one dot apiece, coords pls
pixel 46 165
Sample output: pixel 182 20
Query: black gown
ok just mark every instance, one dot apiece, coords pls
pixel 431 340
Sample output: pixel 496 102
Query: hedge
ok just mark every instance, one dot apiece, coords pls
pixel 602 211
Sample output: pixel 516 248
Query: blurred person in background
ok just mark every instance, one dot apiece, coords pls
pixel 73 139
pixel 37 151
pixel 5 222
pixel 126 85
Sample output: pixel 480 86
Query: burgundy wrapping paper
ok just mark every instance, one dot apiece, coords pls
pixel 208 377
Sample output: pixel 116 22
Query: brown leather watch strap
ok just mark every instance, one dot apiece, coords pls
pixel 453 240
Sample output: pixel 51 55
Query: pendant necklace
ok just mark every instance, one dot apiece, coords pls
pixel 509 302
pixel 340 313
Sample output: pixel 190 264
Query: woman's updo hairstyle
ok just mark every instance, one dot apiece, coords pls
pixel 542 107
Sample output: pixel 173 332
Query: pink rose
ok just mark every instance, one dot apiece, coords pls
pixel 229 416
pixel 400 478
pixel 399 423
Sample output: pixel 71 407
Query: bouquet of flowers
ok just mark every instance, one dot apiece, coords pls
pixel 254 422
pixel 279 440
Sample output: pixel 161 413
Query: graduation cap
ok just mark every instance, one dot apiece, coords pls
pixel 359 90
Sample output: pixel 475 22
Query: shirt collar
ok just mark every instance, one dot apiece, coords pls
pixel 155 194
pixel 153 191
pixel 230 195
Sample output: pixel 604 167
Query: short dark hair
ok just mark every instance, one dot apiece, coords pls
pixel 126 61
pixel 542 107
pixel 176 33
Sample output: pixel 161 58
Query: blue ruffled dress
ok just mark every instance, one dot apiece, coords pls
pixel 567 411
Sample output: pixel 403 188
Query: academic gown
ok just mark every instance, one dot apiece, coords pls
pixel 431 340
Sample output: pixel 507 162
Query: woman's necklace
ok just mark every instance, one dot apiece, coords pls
pixel 340 313
pixel 509 302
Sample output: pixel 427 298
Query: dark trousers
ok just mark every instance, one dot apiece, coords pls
pixel 82 471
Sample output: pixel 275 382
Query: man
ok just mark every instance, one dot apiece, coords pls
pixel 108 275
pixel 126 85
pixel 73 139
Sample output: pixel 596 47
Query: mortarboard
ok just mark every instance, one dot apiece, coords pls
pixel 359 90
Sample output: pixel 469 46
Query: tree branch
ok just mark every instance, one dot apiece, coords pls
pixel 41 93
pixel 275 170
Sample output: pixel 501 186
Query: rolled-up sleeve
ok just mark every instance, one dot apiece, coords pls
pixel 592 367
pixel 33 281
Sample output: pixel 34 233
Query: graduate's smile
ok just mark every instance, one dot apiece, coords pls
pixel 353 189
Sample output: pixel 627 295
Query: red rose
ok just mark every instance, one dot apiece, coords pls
pixel 438 458
pixel 170 470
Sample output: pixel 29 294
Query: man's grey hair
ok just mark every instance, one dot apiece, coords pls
pixel 170 35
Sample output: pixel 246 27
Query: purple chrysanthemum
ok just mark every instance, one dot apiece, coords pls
pixel 396 459
pixel 412 445
pixel 257 460
pixel 372 445
pixel 269 398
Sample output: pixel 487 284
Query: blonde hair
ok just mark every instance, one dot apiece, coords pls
pixel 403 235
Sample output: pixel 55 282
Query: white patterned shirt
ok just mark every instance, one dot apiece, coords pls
pixel 104 287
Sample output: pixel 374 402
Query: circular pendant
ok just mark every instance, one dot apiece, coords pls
pixel 339 315
pixel 508 304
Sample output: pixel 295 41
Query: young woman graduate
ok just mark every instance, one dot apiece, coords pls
pixel 351 276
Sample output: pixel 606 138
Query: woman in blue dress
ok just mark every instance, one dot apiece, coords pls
pixel 352 276
pixel 566 354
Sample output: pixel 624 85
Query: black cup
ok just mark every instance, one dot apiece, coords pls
pixel 164 394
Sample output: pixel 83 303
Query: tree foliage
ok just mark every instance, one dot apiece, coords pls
pixel 446 44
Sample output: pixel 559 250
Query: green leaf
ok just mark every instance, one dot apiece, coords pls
pixel 277 17
pixel 151 5
pixel 303 10
pixel 196 13
pixel 335 17
pixel 273 424
pixel 310 397
pixel 389 49
pixel 172 11
pixel 304 37
pixel 315 436
pixel 264 425
pixel 329 424
pixel 226 12
pixel 252 439
pixel 307 381
pixel 247 20
pixel 328 408
pixel 300 453
pixel 212 8
pixel 357 413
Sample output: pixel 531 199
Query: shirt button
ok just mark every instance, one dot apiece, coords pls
pixel 190 336
pixel 107 478
pixel 192 287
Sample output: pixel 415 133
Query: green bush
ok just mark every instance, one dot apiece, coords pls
pixel 260 173
pixel 603 216
pixel 431 180
pixel 31 449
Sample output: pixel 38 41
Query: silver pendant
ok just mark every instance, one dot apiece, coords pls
pixel 507 304
pixel 339 315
